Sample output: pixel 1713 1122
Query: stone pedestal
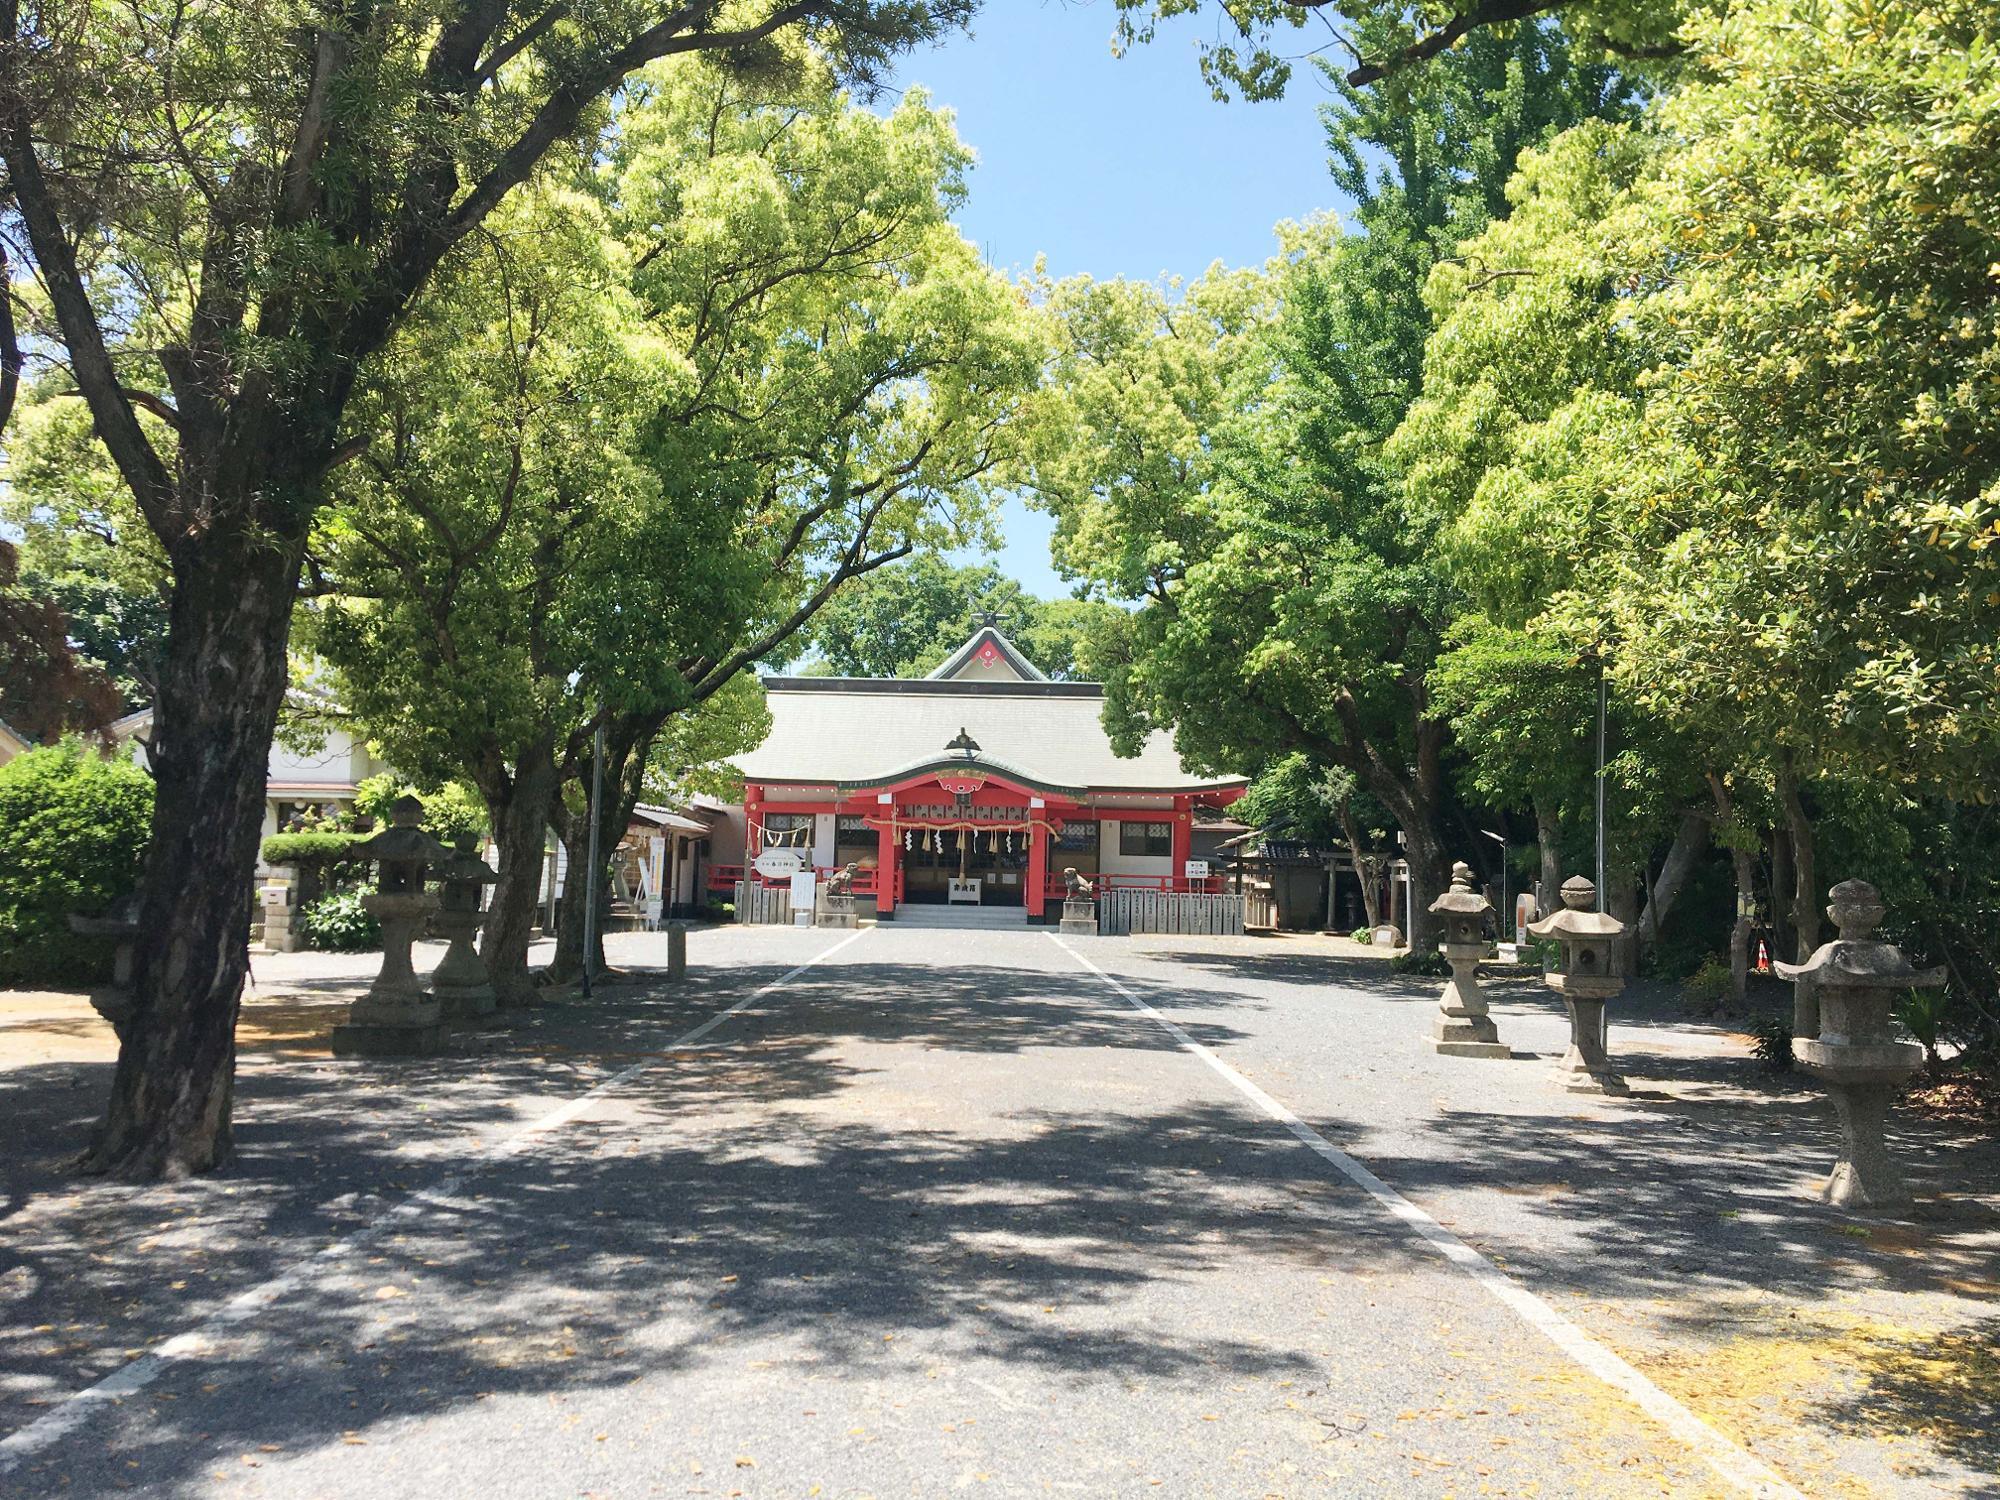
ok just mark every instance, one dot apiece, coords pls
pixel 460 983
pixel 1864 1175
pixel 1586 1067
pixel 837 911
pixel 1585 983
pixel 397 1017
pixel 1856 1056
pixel 1463 1028
pixel 1079 918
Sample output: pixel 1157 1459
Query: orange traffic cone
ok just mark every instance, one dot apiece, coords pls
pixel 1763 957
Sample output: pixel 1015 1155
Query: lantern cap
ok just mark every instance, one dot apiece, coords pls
pixel 1857 959
pixel 1577 919
pixel 1462 899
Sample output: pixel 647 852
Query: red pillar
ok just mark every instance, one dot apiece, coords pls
pixel 885 872
pixel 1037 874
pixel 1183 842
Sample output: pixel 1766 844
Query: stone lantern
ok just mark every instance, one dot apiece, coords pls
pixel 460 982
pixel 1463 1028
pixel 397 1017
pixel 1585 983
pixel 1856 1054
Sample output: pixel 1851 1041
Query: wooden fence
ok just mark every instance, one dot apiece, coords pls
pixel 1121 912
pixel 769 905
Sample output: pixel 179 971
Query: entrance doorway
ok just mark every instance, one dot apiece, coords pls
pixel 938 857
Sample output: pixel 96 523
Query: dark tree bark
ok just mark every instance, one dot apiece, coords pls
pixel 1744 864
pixel 1805 896
pixel 1548 841
pixel 1371 902
pixel 519 803
pixel 624 780
pixel 1690 842
pixel 217 710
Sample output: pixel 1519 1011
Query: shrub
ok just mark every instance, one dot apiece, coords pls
pixel 337 923
pixel 1771 1041
pixel 1926 1015
pixel 72 839
pixel 1708 986
pixel 1427 965
pixel 1362 934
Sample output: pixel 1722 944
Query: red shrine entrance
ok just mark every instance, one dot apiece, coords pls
pixel 867 771
pixel 961 832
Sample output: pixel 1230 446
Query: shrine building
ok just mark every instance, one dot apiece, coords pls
pixel 976 785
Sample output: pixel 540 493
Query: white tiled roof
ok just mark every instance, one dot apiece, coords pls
pixel 834 730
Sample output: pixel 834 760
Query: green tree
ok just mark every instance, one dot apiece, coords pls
pixel 1386 40
pixel 647 434
pixel 1230 473
pixel 231 269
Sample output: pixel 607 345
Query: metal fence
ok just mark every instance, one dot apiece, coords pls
pixel 1121 912
pixel 768 905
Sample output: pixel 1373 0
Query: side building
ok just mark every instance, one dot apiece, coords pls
pixel 978 785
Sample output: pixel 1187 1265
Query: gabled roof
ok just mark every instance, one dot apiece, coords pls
pixel 12 736
pixel 869 731
pixel 987 656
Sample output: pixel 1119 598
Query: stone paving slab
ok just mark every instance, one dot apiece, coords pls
pixel 943 1213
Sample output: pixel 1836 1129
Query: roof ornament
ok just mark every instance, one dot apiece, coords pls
pixel 963 743
pixel 986 619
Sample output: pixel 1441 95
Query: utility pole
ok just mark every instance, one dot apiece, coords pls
pixel 1602 888
pixel 590 881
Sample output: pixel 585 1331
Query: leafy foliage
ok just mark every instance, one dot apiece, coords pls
pixel 337 923
pixel 72 834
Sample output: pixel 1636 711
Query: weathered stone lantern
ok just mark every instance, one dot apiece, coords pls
pixel 1586 982
pixel 119 927
pixel 463 988
pixel 1856 1054
pixel 397 1017
pixel 1463 1028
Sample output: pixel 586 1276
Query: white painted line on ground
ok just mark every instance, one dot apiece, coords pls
pixel 1743 1470
pixel 78 1408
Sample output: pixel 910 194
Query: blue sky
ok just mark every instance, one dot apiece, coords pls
pixel 1114 166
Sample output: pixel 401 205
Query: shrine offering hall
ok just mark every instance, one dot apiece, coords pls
pixel 977 785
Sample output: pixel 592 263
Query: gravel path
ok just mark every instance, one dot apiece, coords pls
pixel 944 1211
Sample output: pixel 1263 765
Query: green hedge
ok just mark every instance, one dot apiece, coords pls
pixel 308 848
pixel 72 839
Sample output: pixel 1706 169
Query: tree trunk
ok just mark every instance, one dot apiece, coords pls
pixel 1690 843
pixel 1548 842
pixel 1622 902
pixel 221 684
pixel 1430 877
pixel 1805 897
pixel 1781 893
pixel 1351 831
pixel 1744 864
pixel 624 777
pixel 519 807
